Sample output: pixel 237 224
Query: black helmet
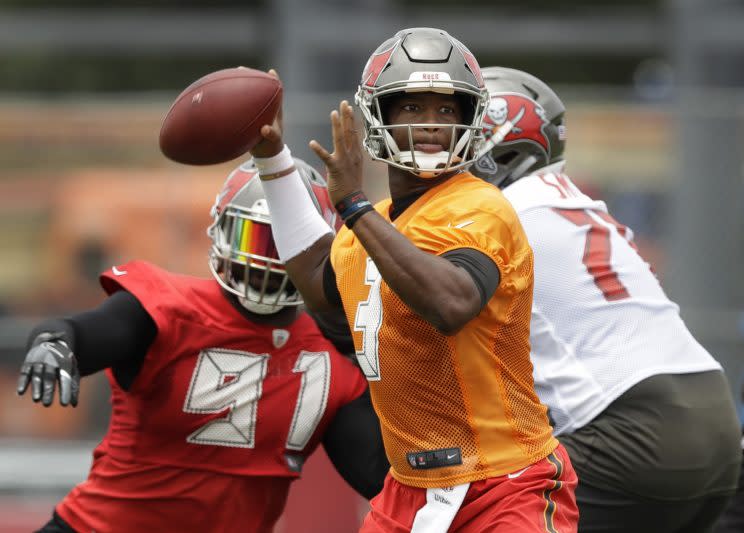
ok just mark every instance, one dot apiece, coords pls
pixel 422 60
pixel 523 126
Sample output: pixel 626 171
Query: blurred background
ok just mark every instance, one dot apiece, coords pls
pixel 655 98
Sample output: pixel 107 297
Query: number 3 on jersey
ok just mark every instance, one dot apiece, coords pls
pixel 368 320
pixel 233 379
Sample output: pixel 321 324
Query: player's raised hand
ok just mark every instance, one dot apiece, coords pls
pixel 272 142
pixel 50 363
pixel 345 164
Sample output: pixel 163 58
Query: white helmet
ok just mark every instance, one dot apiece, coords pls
pixel 243 257
pixel 422 60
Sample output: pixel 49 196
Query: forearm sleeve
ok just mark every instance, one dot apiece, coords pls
pixel 295 221
pixel 330 289
pixel 353 442
pixel 335 328
pixel 116 334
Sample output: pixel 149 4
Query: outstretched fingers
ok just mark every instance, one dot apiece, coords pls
pixel 49 381
pixel 74 392
pixel 337 128
pixel 321 152
pixel 65 388
pixel 338 142
pixel 24 380
pixel 351 136
pixel 346 156
pixel 36 382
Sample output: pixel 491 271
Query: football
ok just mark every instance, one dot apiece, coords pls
pixel 219 116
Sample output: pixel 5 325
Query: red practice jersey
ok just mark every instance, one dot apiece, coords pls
pixel 218 421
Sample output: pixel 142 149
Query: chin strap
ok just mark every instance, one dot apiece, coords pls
pixel 259 309
pixel 251 295
pixel 425 164
pixel 424 160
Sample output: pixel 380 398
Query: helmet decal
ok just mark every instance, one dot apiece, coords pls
pixel 376 64
pixel 526 118
pixel 523 126
pixel 472 63
pixel 234 182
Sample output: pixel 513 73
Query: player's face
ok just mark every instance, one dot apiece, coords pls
pixel 423 108
pixel 257 278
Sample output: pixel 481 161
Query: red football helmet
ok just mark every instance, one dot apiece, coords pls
pixel 243 257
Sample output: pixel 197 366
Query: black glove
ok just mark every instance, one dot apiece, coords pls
pixel 48 361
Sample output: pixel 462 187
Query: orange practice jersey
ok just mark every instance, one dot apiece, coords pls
pixel 443 400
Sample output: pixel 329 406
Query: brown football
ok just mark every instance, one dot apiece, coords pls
pixel 219 116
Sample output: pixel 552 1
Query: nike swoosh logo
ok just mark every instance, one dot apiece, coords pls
pixel 461 224
pixel 118 272
pixel 517 474
pixel 451 456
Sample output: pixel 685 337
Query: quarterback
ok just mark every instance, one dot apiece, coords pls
pixel 436 283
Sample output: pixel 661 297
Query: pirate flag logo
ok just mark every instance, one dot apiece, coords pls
pixel 515 117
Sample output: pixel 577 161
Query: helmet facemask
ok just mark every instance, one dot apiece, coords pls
pixel 465 138
pixel 420 60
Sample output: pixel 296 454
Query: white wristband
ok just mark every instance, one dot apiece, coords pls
pixel 268 166
pixel 295 221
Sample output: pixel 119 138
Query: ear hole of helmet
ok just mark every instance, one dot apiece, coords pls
pixel 506 157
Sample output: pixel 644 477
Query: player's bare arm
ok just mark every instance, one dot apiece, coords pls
pixel 437 290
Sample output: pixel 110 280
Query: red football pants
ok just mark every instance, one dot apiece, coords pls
pixel 539 498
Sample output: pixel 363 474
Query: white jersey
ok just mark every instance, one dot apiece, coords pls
pixel 600 320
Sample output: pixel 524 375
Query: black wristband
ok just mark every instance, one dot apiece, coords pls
pixel 351 203
pixel 349 222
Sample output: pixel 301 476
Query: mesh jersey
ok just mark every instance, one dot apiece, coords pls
pixel 219 419
pixel 600 320
pixel 473 390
